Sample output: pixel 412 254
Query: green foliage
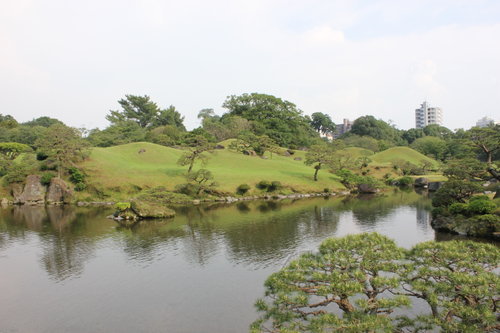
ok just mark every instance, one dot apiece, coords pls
pixel 242 189
pixel 43 122
pixel 10 150
pixel 322 123
pixel 465 169
pixel 80 187
pixel 198 146
pixel 458 208
pixel 200 181
pixel 366 142
pixel 247 142
pixel 122 206
pixel 278 119
pixel 355 283
pixel 76 175
pixel 377 129
pixel 19 169
pixel 46 178
pixel 117 134
pixel 318 155
pixel 481 206
pixel 405 181
pixel 62 144
pixel 454 191
pixel 431 146
pixel 348 178
pixel 486 139
pixel 144 112
pixel 263 185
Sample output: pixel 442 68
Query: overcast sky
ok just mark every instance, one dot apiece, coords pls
pixel 73 60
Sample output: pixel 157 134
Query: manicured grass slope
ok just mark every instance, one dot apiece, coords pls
pixel 384 158
pixel 119 168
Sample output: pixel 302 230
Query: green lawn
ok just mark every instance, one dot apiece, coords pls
pixel 123 169
pixel 384 158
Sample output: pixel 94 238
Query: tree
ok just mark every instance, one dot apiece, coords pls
pixel 144 112
pixel 119 133
pixel 487 139
pixel 203 179
pixel 62 144
pixel 43 121
pixel 375 128
pixel 465 169
pixel 199 145
pixel 319 155
pixel 454 191
pixel 359 282
pixel 349 274
pixel 458 282
pixel 430 145
pixel 10 150
pixel 437 131
pixel 258 143
pixel 322 123
pixel 7 122
pixel 279 119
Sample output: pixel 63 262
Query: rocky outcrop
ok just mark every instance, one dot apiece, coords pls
pixel 365 188
pixel 486 226
pixel 147 209
pixel 33 192
pixel 434 186
pixel 421 182
pixel 58 192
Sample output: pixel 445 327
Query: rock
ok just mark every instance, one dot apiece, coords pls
pixel 286 153
pixel 196 202
pixel 59 192
pixel 264 157
pixel 365 188
pixel 219 147
pixel 298 158
pixel 290 152
pixel 487 226
pixel 4 202
pixel 421 182
pixel 148 209
pixel 434 186
pixel 33 192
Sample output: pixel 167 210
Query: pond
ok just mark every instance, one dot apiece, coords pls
pixel 69 269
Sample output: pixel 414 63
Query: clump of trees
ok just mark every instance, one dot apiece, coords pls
pixel 366 283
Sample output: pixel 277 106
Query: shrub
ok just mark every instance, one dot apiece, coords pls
pixel 405 181
pixel 454 191
pixel 481 206
pixel 242 189
pixel 121 206
pixel 458 208
pixel 275 186
pixel 263 185
pixel 188 189
pixel 80 187
pixel 46 177
pixel 41 156
pixel 326 190
pixel 76 175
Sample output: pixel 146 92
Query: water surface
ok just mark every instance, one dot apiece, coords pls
pixel 68 269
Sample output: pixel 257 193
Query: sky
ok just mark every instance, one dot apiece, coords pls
pixel 73 60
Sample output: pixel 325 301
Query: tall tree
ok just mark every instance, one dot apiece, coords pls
pixel 279 119
pixel 317 156
pixel 143 111
pixel 198 146
pixel 63 144
pixel 487 139
pixel 376 128
pixel 322 123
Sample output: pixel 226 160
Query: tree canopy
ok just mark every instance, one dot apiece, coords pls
pixel 279 119
pixel 146 113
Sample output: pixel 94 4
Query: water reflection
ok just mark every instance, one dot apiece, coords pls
pixel 69 251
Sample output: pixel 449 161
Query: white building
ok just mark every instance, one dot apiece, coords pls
pixel 427 115
pixel 484 122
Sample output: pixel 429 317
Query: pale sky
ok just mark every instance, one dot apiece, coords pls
pixel 73 60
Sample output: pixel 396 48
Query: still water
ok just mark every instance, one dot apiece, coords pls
pixel 68 269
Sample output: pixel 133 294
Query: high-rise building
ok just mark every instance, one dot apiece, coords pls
pixel 427 115
pixel 484 122
pixel 343 128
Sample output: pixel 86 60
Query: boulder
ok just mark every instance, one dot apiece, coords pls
pixel 298 158
pixel 148 209
pixel 434 186
pixel 33 192
pixel 421 182
pixel 59 192
pixel 365 188
pixel 219 147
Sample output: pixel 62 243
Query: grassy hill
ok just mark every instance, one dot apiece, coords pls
pixel 384 158
pixel 121 170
